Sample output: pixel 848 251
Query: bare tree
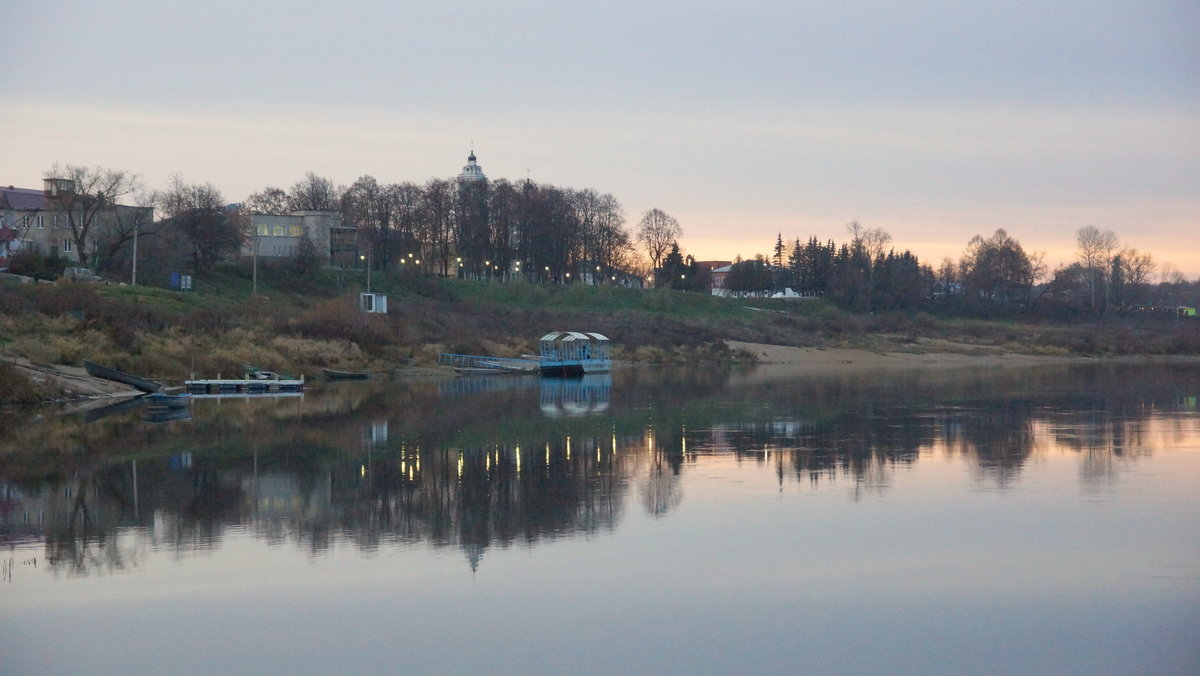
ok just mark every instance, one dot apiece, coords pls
pixel 199 213
pixel 1095 249
pixel 1136 267
pixel 87 197
pixel 870 242
pixel 1169 274
pixel 371 208
pixel 438 205
pixel 947 273
pixel 657 231
pixel 114 236
pixel 313 193
pixel 271 201
pixel 997 272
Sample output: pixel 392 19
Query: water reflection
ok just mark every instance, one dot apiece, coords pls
pixel 575 397
pixel 482 463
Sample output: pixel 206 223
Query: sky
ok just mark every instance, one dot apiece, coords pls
pixel 932 120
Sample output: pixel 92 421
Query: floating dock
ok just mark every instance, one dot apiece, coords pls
pixel 481 364
pixel 243 386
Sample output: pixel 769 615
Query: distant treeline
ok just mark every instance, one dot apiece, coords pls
pixel 994 277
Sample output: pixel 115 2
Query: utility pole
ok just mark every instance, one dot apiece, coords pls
pixel 133 280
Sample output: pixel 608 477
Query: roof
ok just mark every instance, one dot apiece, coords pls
pixel 22 198
pixel 572 335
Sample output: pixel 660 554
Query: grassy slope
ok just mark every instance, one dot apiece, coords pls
pixel 299 325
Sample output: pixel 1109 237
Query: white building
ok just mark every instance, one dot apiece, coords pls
pixel 282 236
pixel 472 171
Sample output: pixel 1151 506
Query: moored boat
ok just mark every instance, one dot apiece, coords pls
pixel 143 384
pixel 335 374
pixel 573 354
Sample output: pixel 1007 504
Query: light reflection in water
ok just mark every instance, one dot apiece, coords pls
pixel 429 465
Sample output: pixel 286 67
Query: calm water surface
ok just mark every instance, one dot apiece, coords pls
pixel 1023 521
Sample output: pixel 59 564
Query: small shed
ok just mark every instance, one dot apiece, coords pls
pixel 373 302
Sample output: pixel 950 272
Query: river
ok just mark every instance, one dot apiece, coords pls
pixel 703 521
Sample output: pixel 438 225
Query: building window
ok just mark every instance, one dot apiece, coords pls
pixel 296 230
pixel 66 246
pixel 279 230
pixel 264 229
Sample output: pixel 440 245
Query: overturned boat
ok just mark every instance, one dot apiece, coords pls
pixel 97 371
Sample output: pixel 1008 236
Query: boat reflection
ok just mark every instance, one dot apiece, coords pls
pixel 575 397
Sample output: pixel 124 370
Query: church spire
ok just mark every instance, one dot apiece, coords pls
pixel 472 172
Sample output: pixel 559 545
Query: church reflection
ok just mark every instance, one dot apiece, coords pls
pixel 478 465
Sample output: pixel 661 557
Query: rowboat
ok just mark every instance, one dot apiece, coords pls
pixel 114 375
pixel 334 374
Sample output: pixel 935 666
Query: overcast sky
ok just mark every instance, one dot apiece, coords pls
pixel 935 121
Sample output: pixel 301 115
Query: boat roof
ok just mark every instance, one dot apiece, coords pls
pixel 573 335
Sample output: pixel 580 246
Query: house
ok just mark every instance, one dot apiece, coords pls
pixel 38 220
pixel 283 236
pixel 717 284
pixel 706 272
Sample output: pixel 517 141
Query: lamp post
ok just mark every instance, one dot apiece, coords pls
pixel 254 286
pixel 367 258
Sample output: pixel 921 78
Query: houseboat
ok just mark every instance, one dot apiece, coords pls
pixel 573 354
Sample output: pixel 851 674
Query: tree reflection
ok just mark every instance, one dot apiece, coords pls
pixel 379 465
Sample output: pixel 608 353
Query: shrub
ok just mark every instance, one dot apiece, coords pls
pixel 15 388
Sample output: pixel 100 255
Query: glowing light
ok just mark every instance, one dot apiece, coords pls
pixel 362 471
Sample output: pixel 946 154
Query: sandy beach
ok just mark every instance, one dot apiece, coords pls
pixel 932 354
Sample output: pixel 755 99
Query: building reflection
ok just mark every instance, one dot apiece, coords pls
pixel 503 465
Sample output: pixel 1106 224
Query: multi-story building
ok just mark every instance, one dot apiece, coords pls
pixel 283 236
pixel 38 220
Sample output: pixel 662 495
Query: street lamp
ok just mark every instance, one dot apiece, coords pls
pixel 367 258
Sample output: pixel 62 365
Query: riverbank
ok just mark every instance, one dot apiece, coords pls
pixel 940 354
pixel 301 326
